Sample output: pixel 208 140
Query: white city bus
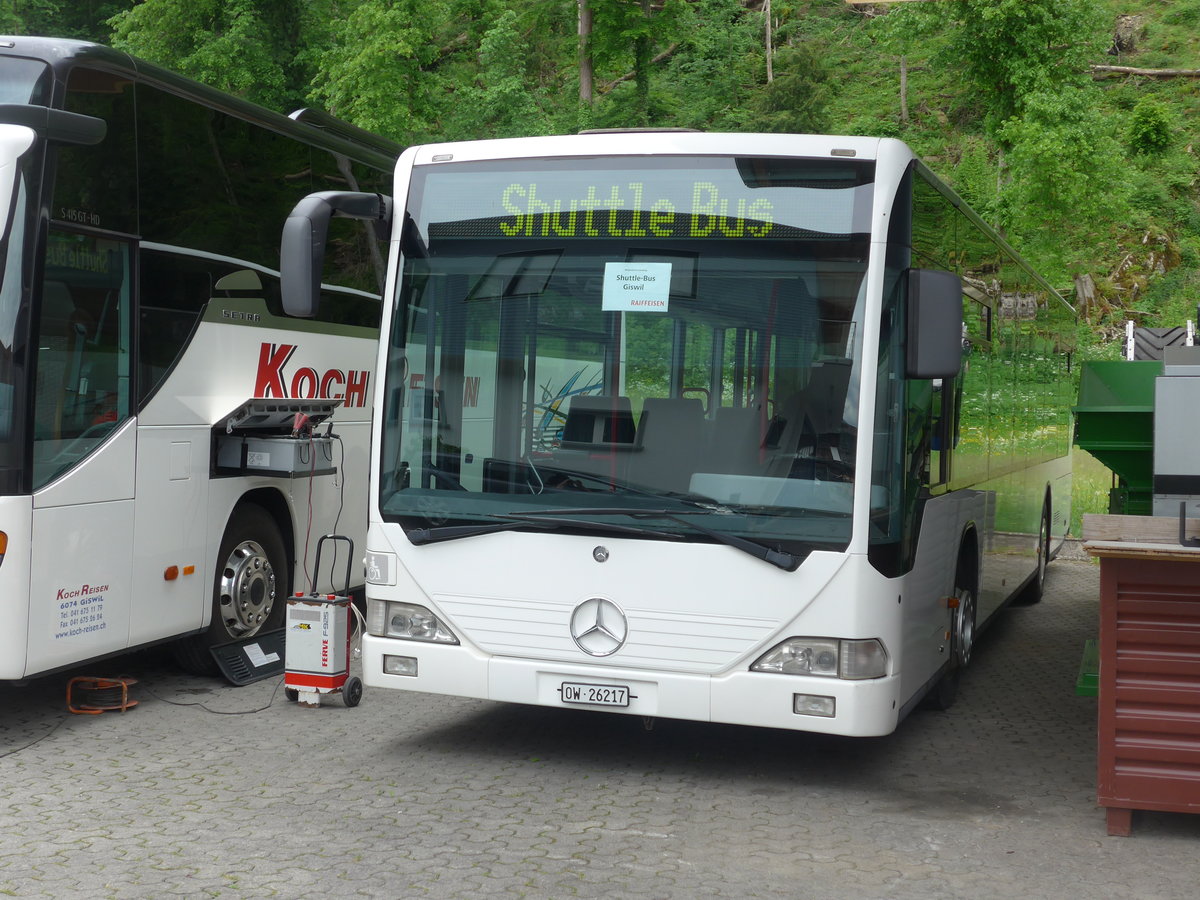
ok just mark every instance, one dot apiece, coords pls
pixel 141 497
pixel 826 439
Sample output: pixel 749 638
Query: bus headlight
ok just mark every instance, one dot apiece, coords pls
pixel 826 657
pixel 408 621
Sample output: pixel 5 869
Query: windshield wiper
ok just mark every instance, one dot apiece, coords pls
pixel 434 535
pixel 549 518
pixel 780 558
pixel 559 518
pixel 419 536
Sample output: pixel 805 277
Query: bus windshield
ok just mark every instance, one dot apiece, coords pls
pixel 671 344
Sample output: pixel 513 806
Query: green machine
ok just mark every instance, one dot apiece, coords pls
pixel 1114 421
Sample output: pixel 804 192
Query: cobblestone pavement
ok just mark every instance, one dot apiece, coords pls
pixel 206 790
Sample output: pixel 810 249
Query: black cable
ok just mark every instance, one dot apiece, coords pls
pixel 221 712
pixel 312 471
pixel 341 504
pixel 36 741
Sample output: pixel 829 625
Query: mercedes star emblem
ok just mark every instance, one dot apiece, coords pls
pixel 599 627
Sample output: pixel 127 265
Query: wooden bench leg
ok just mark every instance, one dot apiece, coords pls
pixel 1120 821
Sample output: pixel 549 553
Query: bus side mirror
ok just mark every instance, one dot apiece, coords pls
pixel 56 124
pixel 935 324
pixel 302 246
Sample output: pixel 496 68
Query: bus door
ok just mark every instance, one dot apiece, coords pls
pixel 84 451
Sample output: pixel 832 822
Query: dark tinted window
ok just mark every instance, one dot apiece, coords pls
pixel 216 183
pixel 173 292
pixel 353 257
pixel 97 186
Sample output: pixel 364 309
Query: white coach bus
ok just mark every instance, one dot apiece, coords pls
pixel 826 439
pixel 142 498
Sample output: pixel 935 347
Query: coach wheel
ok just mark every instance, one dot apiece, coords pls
pixel 250 588
pixel 292 694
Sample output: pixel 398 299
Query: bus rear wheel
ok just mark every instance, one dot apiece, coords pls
pixel 1037 585
pixel 250 588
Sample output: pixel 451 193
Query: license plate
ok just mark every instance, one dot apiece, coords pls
pixel 594 694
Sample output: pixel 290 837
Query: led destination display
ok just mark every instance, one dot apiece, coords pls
pixel 629 212
pixel 700 203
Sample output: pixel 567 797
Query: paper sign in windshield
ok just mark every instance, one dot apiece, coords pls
pixel 636 287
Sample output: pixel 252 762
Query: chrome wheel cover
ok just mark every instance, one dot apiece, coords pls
pixel 247 589
pixel 964 625
pixel 1043 551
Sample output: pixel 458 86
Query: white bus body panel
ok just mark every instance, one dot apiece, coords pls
pixel 171 530
pixel 698 615
pixel 227 361
pixel 106 532
pixel 17 515
pixel 81 571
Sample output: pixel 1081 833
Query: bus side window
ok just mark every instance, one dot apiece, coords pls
pixel 83 380
pixel 174 290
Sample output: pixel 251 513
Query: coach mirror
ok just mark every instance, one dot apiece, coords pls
pixel 302 246
pixel 935 324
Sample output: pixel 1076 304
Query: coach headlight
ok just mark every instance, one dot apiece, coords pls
pixel 825 657
pixel 408 621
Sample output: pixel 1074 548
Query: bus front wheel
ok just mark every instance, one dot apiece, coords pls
pixel 250 588
pixel 962 639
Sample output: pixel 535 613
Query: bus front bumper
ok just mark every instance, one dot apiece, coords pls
pixel 859 708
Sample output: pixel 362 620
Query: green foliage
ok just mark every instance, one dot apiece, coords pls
pixel 976 179
pixel 242 47
pixel 1000 100
pixel 1149 126
pixel 1013 49
pixel 795 100
pixel 713 74
pixel 1066 175
pixel 504 100
pixel 375 72
pixel 82 19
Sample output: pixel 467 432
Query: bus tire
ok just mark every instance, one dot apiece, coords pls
pixel 962 637
pixel 250 588
pixel 1037 586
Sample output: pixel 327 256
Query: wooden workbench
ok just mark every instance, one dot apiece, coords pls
pixel 1149 699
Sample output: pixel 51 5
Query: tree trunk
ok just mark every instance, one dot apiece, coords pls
pixel 1148 73
pixel 767 39
pixel 585 52
pixel 1085 295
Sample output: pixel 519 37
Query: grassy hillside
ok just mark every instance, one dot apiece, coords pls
pixel 1143 258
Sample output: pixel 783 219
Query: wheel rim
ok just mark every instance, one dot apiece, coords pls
pixel 247 589
pixel 964 625
pixel 1043 550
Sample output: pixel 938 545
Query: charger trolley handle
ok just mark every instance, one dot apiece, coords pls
pixel 317 564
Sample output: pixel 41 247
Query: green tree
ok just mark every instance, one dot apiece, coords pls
pixel 378 70
pixel 504 101
pixel 717 67
pixel 627 36
pixel 1068 177
pixel 1011 49
pixel 243 47
pixel 80 19
pixel 795 100
pixel 1149 126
